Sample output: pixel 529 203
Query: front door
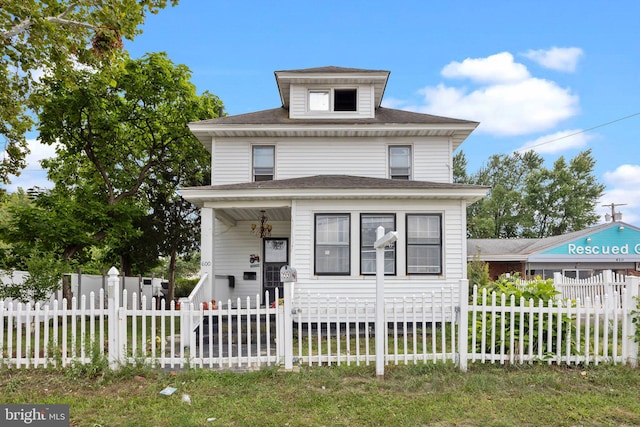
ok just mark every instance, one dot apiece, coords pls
pixel 276 255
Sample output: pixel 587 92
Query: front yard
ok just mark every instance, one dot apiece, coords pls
pixel 423 394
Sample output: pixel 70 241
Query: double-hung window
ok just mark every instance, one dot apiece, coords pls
pixel 369 224
pixel 400 162
pixel 332 247
pixel 263 162
pixel 424 244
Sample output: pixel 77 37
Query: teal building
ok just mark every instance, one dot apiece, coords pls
pixel 611 246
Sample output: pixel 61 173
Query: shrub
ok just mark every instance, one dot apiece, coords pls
pixel 183 287
pixel 528 294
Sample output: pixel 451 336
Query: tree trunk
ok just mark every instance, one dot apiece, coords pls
pixel 125 266
pixel 66 289
pixel 172 273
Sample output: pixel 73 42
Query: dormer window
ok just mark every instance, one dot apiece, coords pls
pixel 345 100
pixel 319 100
pixel 333 100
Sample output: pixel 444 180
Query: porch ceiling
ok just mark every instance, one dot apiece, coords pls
pixel 253 214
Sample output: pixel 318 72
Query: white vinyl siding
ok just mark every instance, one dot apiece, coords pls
pixel 431 160
pixel 298 157
pixel 230 162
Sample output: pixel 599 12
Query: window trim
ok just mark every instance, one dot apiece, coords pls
pixel 332 98
pixel 315 243
pixel 440 245
pixel 395 246
pixel 410 174
pixel 253 162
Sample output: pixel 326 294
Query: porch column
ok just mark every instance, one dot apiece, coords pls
pixel 207 249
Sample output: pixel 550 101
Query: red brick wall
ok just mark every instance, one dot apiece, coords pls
pixel 496 268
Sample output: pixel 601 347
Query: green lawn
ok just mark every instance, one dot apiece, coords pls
pixel 440 395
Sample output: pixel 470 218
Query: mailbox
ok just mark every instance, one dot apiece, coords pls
pixel 288 274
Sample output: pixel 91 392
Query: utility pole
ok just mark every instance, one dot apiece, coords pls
pixel 614 216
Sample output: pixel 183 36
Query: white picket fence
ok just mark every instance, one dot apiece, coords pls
pixel 444 325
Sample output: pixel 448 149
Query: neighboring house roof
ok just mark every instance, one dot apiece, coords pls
pixel 334 187
pixel 523 249
pixel 499 249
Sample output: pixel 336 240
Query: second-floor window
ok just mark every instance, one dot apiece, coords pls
pixel 400 162
pixel 333 100
pixel 263 162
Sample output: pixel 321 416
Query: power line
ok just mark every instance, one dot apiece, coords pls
pixel 584 130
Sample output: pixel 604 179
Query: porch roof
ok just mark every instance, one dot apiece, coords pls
pixel 333 187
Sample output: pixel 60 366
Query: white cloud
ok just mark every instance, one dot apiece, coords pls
pixel 626 176
pixel 624 184
pixel 498 68
pixel 517 108
pixel 557 142
pixel 33 175
pixel 556 58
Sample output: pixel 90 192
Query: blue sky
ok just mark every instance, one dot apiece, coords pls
pixel 530 72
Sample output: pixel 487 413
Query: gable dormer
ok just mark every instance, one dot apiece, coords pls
pixel 331 92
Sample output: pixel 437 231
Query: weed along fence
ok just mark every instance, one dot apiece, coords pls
pixel 447 325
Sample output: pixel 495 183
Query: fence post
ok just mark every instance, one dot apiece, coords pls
pixel 113 304
pixel 557 283
pixel 630 304
pixel 607 277
pixel 463 324
pixel 288 326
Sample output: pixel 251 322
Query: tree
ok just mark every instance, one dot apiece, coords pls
pixel 564 197
pixel 40 35
pixel 117 130
pixel 460 168
pixel 121 136
pixel 503 213
pixel 528 200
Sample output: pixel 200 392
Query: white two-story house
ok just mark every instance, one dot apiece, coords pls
pixel 308 183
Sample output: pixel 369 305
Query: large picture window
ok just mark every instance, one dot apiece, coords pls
pixel 263 162
pixel 332 248
pixel 424 244
pixel 369 224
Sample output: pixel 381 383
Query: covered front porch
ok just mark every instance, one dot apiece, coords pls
pixel 243 248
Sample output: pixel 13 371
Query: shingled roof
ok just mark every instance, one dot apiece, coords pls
pixel 280 116
pixel 332 69
pixel 345 182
